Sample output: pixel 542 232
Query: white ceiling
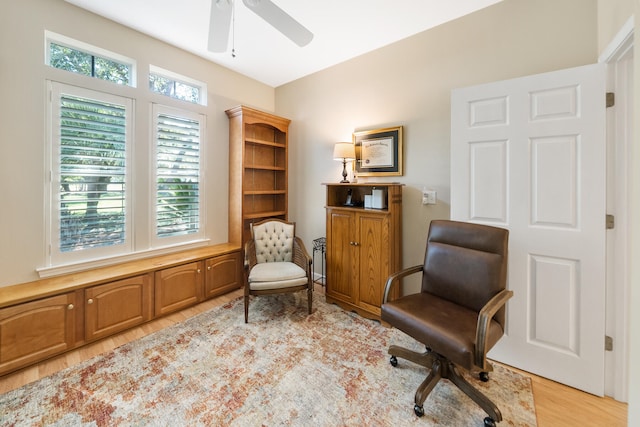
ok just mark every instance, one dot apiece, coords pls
pixel 342 30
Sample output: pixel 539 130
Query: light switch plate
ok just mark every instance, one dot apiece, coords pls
pixel 429 197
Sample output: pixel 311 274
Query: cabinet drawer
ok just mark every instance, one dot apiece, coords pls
pixel 116 306
pixel 36 330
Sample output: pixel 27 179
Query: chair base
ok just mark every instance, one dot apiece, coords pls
pixel 442 367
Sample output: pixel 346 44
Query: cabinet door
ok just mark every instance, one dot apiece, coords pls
pixel 178 287
pixel 223 274
pixel 342 255
pixel 116 306
pixel 373 244
pixel 36 330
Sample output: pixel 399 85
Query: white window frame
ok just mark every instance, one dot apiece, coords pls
pixel 199 236
pixel 59 39
pixel 54 256
pixel 182 79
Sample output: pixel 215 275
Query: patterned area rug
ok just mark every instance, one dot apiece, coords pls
pixel 283 368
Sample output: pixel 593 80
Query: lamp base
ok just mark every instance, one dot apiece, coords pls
pixel 344 173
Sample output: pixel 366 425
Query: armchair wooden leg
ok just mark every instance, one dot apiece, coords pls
pixel 310 297
pixel 246 309
pixel 475 394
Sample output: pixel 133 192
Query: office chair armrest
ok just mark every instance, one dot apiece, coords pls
pixel 484 319
pixel 250 255
pixel 395 277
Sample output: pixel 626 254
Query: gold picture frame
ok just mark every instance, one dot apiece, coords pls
pixel 378 152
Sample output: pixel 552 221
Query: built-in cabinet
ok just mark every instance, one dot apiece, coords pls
pixel 41 327
pixel 36 330
pixel 363 245
pixel 116 306
pixel 222 275
pixel 178 287
pixel 257 169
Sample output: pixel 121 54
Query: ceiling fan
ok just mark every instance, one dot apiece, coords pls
pixel 220 22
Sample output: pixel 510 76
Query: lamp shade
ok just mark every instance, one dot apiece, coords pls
pixel 344 151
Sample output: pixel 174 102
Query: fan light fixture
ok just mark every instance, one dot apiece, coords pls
pixel 221 15
pixel 344 152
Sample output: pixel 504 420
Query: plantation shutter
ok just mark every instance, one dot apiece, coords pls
pixel 177 174
pixel 92 173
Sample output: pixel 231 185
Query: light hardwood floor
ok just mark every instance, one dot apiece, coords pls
pixel 556 404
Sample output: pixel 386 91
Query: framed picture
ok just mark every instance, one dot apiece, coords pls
pixel 378 152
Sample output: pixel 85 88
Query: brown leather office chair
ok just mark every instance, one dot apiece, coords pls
pixel 459 314
pixel 275 261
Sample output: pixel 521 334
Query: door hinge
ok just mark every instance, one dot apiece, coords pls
pixel 611 99
pixel 608 343
pixel 610 221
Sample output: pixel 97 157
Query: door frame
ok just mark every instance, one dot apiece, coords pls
pixel 619 125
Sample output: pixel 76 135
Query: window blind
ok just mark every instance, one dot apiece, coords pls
pixel 92 173
pixel 177 175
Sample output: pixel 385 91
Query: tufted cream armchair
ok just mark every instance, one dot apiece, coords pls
pixel 275 261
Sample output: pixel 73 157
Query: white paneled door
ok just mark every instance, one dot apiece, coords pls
pixel 528 154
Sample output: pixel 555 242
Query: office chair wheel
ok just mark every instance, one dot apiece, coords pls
pixel 394 361
pixel 419 410
pixel 484 376
pixel 489 422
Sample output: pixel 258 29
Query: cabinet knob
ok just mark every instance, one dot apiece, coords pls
pixel 209 268
pixel 70 307
pixel 90 301
pixel 354 243
pixel 198 271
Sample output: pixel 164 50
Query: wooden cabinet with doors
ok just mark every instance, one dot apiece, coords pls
pixel 117 306
pixel 36 330
pixel 257 169
pixel 178 287
pixel 46 317
pixel 363 245
pixel 185 285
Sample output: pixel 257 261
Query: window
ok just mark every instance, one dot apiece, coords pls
pixel 111 198
pixel 178 187
pixel 89 173
pixel 80 58
pixel 176 86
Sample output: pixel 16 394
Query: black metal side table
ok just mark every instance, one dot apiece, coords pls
pixel 320 245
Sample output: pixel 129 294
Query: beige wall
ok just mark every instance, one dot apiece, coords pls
pixel 409 84
pixel 22 136
pixel 612 14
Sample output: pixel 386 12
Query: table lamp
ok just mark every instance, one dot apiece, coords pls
pixel 344 152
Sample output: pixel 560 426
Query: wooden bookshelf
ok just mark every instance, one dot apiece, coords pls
pixel 258 172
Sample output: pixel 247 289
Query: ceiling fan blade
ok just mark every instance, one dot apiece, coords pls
pixel 280 20
pixel 219 24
